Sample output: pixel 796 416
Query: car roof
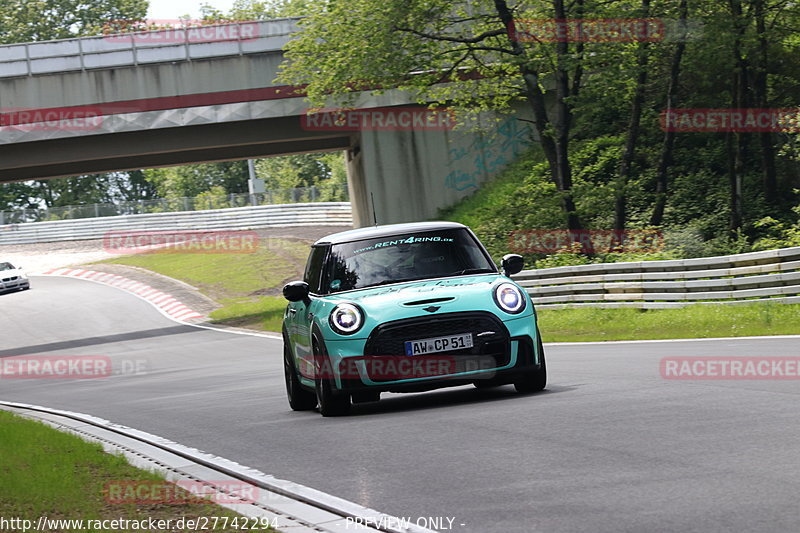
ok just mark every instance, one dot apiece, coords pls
pixel 388 230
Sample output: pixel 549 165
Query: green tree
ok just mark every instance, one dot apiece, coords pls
pixel 131 186
pixel 78 190
pixel 259 10
pixel 326 171
pixel 285 172
pixel 43 20
pixel 471 54
pixel 581 92
pixel 40 20
pixel 193 180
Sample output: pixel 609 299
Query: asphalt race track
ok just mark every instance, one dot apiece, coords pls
pixel 609 447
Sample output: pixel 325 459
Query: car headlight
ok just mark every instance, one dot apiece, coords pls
pixel 509 298
pixel 346 319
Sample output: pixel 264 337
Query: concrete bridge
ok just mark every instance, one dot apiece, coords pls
pixel 170 97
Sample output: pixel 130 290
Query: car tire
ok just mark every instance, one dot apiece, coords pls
pixel 300 399
pixel 535 380
pixel 331 402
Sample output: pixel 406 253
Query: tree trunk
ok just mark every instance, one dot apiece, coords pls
pixel 562 125
pixel 620 194
pixel 738 141
pixel 532 91
pixel 667 146
pixel 555 147
pixel 768 173
pixel 577 76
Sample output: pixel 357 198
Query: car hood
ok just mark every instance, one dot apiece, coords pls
pixel 11 273
pixel 423 298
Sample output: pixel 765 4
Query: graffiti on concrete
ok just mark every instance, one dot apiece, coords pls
pixel 488 154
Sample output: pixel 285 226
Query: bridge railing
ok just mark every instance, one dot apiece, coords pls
pixel 135 48
pixel 241 218
pixel 772 275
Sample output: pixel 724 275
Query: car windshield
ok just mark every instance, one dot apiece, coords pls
pixel 408 257
pixel 6 266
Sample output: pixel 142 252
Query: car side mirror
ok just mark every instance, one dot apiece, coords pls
pixel 296 291
pixel 512 264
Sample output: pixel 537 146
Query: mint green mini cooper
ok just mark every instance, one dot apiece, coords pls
pixel 406 308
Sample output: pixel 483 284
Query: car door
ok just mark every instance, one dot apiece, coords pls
pixel 299 313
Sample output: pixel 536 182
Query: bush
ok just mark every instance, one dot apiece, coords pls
pixel 214 198
pixel 523 198
pixel 779 234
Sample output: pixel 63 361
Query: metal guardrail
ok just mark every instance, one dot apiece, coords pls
pixel 303 214
pixel 173 205
pixel 135 48
pixel 772 275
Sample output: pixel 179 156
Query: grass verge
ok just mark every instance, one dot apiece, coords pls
pixel 49 473
pixel 226 276
pixel 248 286
pixel 696 321
pixel 265 314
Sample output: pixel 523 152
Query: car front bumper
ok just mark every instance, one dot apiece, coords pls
pixel 356 366
pixel 14 285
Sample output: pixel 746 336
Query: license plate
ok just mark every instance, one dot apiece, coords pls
pixel 439 344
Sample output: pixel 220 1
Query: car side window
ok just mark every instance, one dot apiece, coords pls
pixel 313 274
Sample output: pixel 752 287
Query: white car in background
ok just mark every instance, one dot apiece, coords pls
pixel 12 278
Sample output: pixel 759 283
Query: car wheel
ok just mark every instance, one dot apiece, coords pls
pixel 300 399
pixel 535 380
pixel 331 402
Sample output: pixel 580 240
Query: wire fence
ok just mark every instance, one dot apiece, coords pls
pixel 330 193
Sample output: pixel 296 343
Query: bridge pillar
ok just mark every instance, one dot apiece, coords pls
pixel 414 174
pixel 360 203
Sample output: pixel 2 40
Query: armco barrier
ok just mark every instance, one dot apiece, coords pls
pixel 240 218
pixel 772 275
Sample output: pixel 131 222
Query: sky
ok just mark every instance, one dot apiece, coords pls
pixel 171 9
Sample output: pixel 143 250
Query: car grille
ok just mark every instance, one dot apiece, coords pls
pixel 493 349
pixel 12 278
